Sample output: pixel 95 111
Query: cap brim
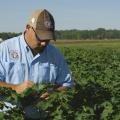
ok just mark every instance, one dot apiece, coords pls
pixel 46 35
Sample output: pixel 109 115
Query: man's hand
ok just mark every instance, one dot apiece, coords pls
pixel 21 87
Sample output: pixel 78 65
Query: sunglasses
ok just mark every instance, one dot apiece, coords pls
pixel 36 35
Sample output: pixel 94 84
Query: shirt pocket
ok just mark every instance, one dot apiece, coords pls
pixel 15 72
pixel 44 73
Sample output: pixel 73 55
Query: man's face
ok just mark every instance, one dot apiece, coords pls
pixel 35 43
pixel 40 46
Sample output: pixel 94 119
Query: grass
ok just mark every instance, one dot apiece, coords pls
pixel 88 44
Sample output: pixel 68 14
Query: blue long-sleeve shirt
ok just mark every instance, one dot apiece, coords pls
pixel 17 64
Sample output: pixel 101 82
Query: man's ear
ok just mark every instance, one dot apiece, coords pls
pixel 27 27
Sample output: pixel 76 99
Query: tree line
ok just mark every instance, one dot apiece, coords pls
pixel 74 34
pixel 99 33
pixel 7 35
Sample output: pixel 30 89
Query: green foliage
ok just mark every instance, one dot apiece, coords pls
pixel 97 78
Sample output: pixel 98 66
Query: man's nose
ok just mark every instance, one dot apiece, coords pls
pixel 43 43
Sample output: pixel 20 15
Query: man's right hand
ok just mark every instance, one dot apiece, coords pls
pixel 21 87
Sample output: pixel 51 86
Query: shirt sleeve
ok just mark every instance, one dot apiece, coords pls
pixel 2 70
pixel 64 77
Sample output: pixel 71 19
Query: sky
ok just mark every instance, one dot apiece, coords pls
pixel 68 14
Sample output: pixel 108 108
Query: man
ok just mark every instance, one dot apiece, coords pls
pixel 30 59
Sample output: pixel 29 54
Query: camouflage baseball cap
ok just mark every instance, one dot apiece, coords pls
pixel 43 23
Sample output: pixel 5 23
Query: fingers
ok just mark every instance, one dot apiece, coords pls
pixel 45 96
pixel 28 83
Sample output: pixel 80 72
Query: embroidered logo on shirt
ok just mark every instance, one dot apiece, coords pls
pixel 14 54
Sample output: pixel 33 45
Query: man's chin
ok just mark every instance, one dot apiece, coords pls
pixel 40 49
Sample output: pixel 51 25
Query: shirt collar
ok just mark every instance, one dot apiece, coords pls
pixel 25 45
